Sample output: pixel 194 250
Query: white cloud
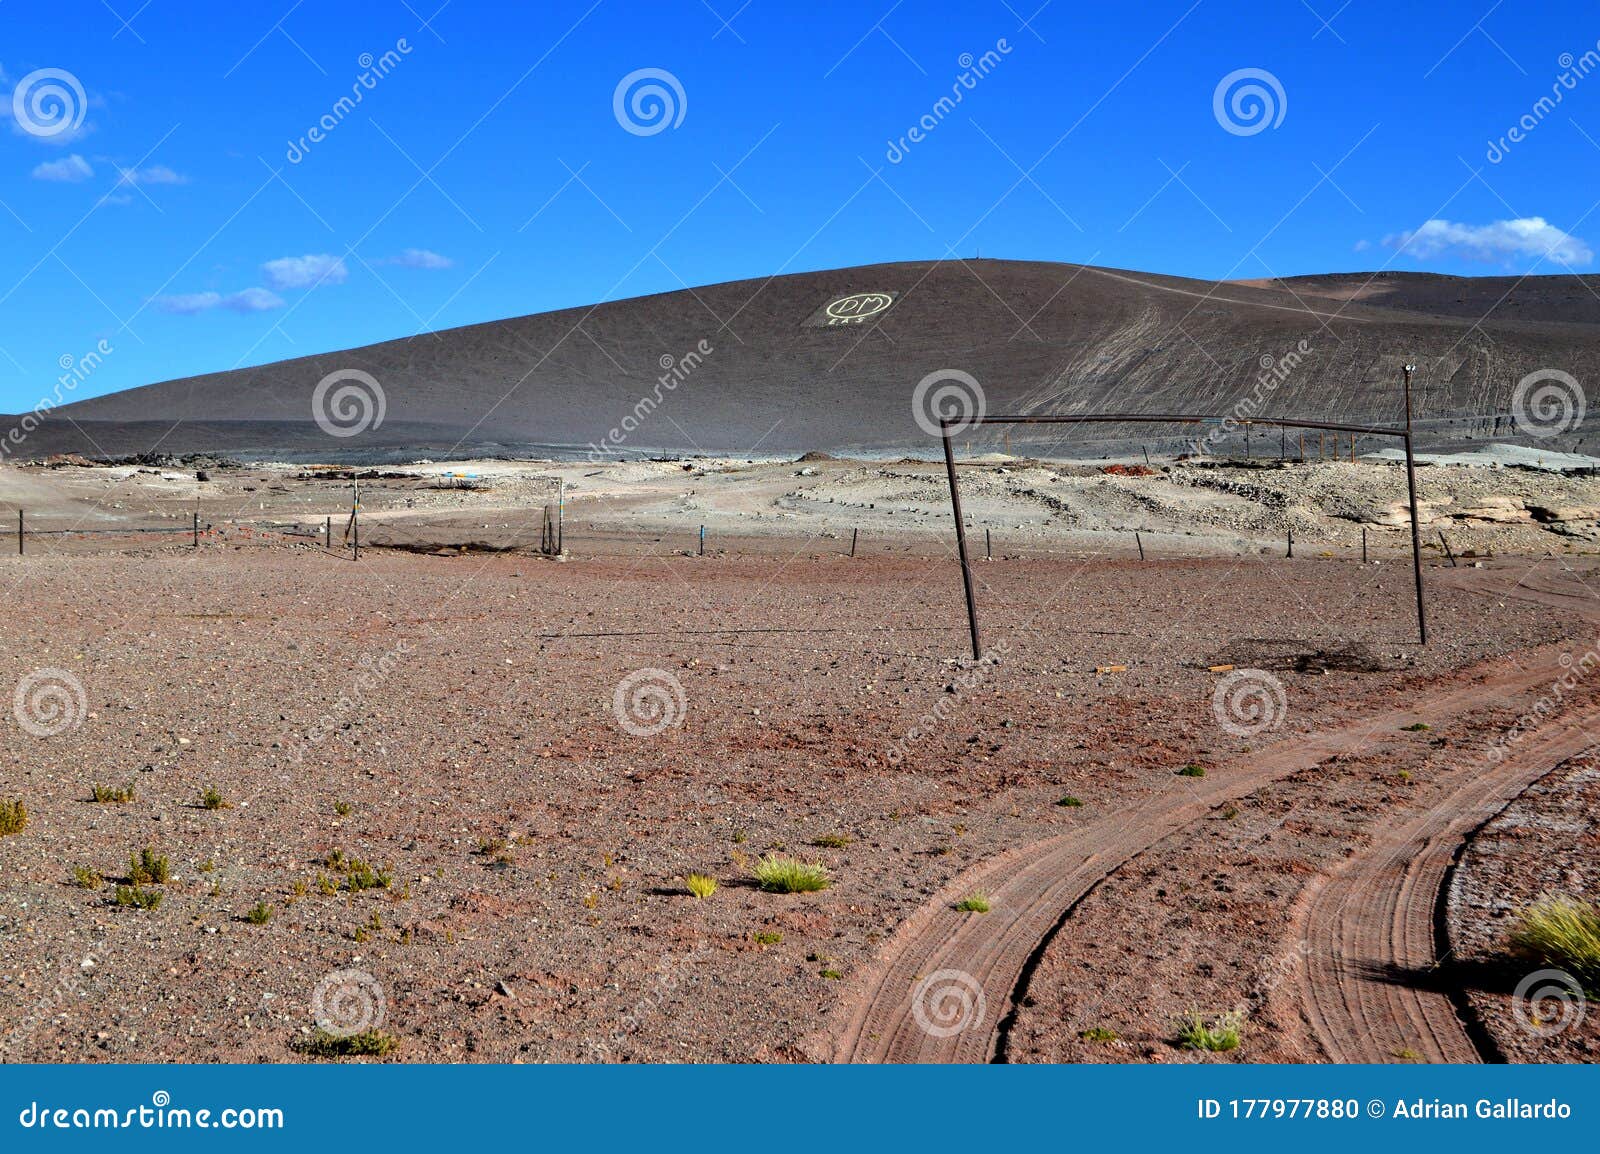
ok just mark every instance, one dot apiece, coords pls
pixel 1363 245
pixel 67 170
pixel 292 272
pixel 1503 240
pixel 155 174
pixel 250 300
pixel 419 258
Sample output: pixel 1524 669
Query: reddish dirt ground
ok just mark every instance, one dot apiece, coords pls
pixel 453 721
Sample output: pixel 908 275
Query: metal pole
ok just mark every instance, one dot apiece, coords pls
pixel 1416 534
pixel 702 540
pixel 197 530
pixel 19 532
pixel 961 538
pixel 1291 541
pixel 1139 541
pixel 561 515
pixel 327 532
pixel 1448 552
pixel 988 545
pixel 1363 544
pixel 853 533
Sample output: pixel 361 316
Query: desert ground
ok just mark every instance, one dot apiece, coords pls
pixel 450 792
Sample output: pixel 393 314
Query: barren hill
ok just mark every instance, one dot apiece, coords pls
pixel 777 372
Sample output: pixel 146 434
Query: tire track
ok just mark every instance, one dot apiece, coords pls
pixel 1034 888
pixel 1366 992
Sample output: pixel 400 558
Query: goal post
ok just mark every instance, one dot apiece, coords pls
pixel 949 426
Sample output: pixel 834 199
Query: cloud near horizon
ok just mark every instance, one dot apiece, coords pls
pixel 1501 241
pixel 68 170
pixel 293 272
pixel 250 300
pixel 419 258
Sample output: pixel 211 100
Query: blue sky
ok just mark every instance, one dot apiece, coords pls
pixel 172 204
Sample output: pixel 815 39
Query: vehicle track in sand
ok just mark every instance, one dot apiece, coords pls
pixel 944 987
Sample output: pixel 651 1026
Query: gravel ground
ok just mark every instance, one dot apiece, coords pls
pixel 454 722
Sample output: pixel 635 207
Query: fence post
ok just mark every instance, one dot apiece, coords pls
pixel 19 532
pixel 1363 544
pixel 327 532
pixel 355 531
pixel 988 546
pixel 1291 541
pixel 561 515
pixel 702 540
pixel 1139 541
pixel 853 533
pixel 1448 552
pixel 197 530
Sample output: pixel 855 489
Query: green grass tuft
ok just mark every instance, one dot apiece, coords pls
pixel 147 866
pixel 832 840
pixel 1419 727
pixel 1070 802
pixel 1098 1034
pixel 110 795
pixel 85 878
pixel 1218 1036
pixel 787 875
pixel 367 1044
pixel 138 897
pixel 1192 771
pixel 766 937
pixel 1562 932
pixel 259 915
pixel 976 904
pixel 701 886
pixel 212 799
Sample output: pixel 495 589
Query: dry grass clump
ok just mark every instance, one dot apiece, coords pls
pixel 13 816
pixel 112 795
pixel 1563 932
pixel 1218 1036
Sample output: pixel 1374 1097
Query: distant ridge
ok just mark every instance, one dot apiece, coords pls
pixel 762 366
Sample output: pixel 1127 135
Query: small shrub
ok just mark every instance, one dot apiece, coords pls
pixel 832 975
pixel 1192 771
pixel 1562 932
pixel 787 875
pixel 110 795
pixel 1419 727
pixel 766 937
pixel 13 817
pixel 740 837
pixel 701 886
pixel 1404 775
pixel 212 799
pixel 342 808
pixel 358 876
pixel 976 904
pixel 1229 812
pixel 259 915
pixel 1070 802
pixel 1218 1036
pixel 138 897
pixel 1408 1055
pixel 147 866
pixel 327 885
pixel 1098 1034
pixel 86 878
pixel 831 840
pixel 367 1044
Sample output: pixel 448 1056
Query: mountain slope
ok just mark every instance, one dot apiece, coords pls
pixel 1038 337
